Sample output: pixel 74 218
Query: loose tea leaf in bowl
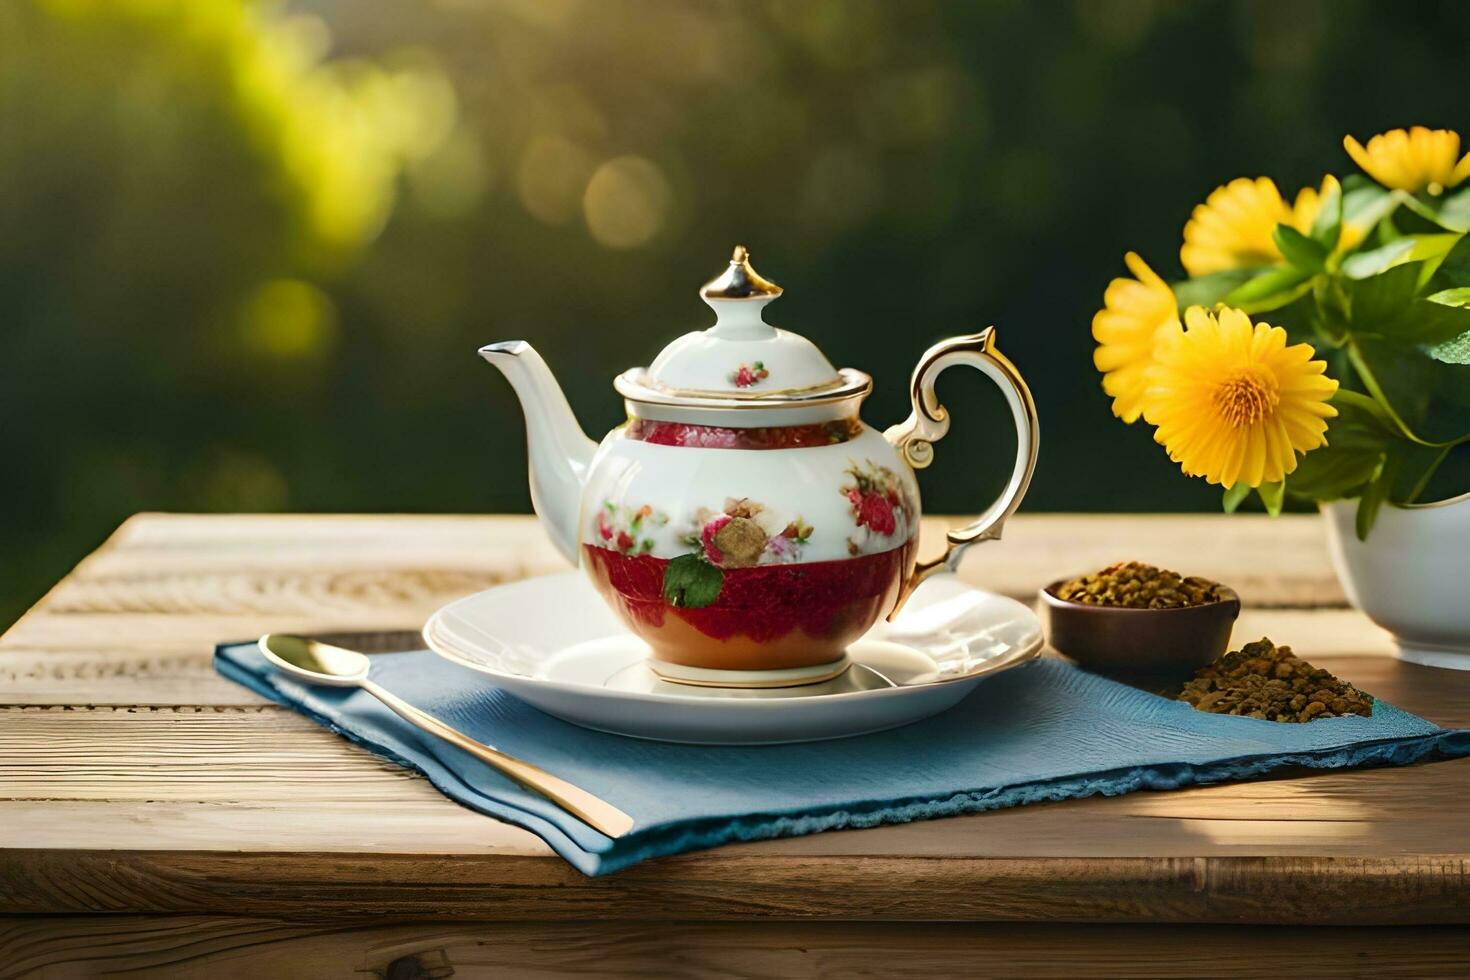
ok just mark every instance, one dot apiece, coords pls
pixel 1134 585
pixel 1262 680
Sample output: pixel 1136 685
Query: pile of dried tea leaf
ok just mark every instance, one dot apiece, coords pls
pixel 1262 680
pixel 1134 585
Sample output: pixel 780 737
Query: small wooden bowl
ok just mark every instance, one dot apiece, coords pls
pixel 1158 645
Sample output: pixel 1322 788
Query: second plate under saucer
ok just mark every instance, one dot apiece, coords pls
pixel 555 644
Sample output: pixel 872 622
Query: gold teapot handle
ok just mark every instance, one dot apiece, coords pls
pixel 914 439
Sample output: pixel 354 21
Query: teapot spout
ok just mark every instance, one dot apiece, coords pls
pixel 558 451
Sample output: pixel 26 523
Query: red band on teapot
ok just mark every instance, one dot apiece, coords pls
pixel 718 437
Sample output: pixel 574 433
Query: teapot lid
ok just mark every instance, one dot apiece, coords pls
pixel 741 361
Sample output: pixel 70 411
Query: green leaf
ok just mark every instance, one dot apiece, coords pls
pixel 1459 296
pixel 1357 441
pixel 1273 495
pixel 1361 265
pixel 1454 351
pixel 691 582
pixel 1327 228
pixel 1427 401
pixel 1305 253
pixel 1432 251
pixel 1208 290
pixel 1334 471
pixel 1357 409
pixel 1234 497
pixel 1374 494
pixel 1453 268
pixel 1386 305
pixel 1412 466
pixel 1431 211
pixel 1329 309
pixel 1302 318
pixel 1365 203
pixel 1430 248
pixel 1270 290
pixel 1428 321
pixel 1455 209
pixel 1443 318
pixel 1405 470
pixel 1375 301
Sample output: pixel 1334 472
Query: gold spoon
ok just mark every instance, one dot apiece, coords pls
pixel 322 663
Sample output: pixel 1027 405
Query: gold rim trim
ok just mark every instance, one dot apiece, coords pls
pixel 753 396
pixel 632 386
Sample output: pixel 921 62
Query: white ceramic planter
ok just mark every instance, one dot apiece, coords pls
pixel 1412 575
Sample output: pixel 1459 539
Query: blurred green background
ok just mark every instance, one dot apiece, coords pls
pixel 247 251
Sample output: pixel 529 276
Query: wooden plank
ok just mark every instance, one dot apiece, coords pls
pixel 207 948
pixel 416 819
pixel 29 676
pixel 1383 813
pixel 726 886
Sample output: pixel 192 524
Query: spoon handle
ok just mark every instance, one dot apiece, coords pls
pixel 597 813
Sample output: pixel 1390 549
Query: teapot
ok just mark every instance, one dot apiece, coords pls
pixel 744 522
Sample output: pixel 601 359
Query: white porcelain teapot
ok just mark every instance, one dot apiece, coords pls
pixel 744 518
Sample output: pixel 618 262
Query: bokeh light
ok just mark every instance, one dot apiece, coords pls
pixel 452 181
pixel 552 174
pixel 627 202
pixel 288 319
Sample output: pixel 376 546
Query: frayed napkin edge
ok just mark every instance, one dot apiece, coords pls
pixel 1405 750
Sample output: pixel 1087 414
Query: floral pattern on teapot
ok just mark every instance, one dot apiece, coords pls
pixel 881 505
pixel 626 529
pixel 744 533
pixel 749 375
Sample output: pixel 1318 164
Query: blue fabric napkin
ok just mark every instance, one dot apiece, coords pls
pixel 1045 731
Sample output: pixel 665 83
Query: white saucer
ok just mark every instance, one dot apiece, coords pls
pixel 783 677
pixel 553 643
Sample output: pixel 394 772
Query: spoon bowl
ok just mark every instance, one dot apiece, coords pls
pixel 314 661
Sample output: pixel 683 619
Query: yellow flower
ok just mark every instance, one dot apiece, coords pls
pixel 1309 202
pixel 1233 403
pixel 1134 314
pixel 1233 228
pixel 1415 160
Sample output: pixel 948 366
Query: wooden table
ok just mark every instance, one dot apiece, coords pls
pixel 237 836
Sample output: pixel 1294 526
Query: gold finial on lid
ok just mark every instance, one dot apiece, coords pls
pixel 740 281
